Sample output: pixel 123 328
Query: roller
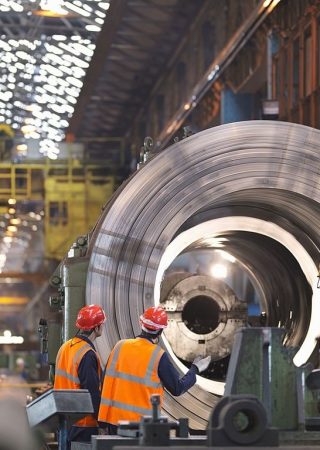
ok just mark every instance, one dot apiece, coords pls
pixel 255 186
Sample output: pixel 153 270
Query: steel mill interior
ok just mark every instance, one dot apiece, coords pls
pixel 159 174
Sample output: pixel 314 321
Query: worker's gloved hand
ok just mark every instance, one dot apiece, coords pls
pixel 202 363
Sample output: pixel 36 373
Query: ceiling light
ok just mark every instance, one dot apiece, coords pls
pixel 93 28
pixel 77 9
pixel 15 221
pixel 16 6
pixel 104 5
pixel 27 129
pixel 59 37
pixel 51 8
pixel 51 69
pixel 11 340
pixel 22 147
pixel 101 14
pixel 34 135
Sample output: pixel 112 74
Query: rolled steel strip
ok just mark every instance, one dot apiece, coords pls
pixel 269 166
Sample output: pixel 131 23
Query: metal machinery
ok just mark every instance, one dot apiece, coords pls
pixel 268 403
pixel 253 412
pixel 204 312
pixel 252 187
pixel 59 409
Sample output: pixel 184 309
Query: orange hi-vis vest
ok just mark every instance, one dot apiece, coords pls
pixel 131 377
pixel 66 371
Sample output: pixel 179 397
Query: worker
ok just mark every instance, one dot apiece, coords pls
pixel 78 367
pixel 138 368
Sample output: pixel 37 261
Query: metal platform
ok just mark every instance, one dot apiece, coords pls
pixel 71 404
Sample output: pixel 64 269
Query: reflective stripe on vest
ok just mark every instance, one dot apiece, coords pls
pixel 142 411
pixel 131 377
pixel 146 380
pixel 75 362
pixel 63 373
pixel 66 373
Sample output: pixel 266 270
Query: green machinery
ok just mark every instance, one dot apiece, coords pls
pixel 268 401
pixel 69 279
pixel 262 367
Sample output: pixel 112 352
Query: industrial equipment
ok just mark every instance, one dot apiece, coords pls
pixel 268 403
pixel 74 196
pixel 59 409
pixel 250 188
pixel 205 313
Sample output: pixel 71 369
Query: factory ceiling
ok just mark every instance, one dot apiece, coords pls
pixel 132 51
pixel 83 67
pixel 45 49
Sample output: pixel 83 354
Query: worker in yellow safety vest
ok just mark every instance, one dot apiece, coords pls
pixel 78 367
pixel 138 368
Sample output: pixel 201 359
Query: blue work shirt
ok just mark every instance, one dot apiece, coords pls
pixel 170 377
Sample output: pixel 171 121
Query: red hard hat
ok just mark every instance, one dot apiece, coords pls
pixel 90 316
pixel 154 319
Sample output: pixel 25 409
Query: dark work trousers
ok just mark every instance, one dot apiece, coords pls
pixel 111 429
pixel 81 434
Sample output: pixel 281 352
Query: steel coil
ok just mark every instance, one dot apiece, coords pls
pixel 255 182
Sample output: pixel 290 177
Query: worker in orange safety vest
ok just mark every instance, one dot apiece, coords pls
pixel 78 367
pixel 138 368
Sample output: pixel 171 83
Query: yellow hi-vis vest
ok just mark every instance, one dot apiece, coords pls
pixel 131 377
pixel 66 372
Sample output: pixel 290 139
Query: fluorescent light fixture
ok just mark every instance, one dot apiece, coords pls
pixel 11 340
pixel 51 70
pixel 93 28
pixel 50 8
pixel 59 37
pixel 22 147
pixel 77 9
pixel 104 5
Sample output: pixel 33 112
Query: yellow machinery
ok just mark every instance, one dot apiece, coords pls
pixel 20 182
pixel 73 194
